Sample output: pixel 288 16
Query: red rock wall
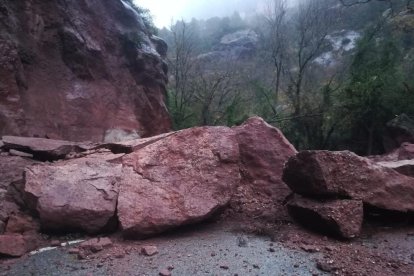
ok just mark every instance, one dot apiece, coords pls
pixel 79 70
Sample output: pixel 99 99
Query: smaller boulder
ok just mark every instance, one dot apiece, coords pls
pixel 343 174
pixel 341 218
pixel 77 195
pixel 12 245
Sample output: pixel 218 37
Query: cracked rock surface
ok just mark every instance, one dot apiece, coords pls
pixel 79 194
pixel 181 179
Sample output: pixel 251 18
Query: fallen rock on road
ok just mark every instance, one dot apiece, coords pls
pixel 74 195
pixel 324 174
pixel 181 179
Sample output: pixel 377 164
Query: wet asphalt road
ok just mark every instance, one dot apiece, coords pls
pixel 209 250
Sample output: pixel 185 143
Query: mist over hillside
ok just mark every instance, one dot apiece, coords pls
pixel 311 69
pixel 165 11
pixel 205 9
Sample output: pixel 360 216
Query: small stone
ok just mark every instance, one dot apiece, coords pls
pixel 55 243
pixel 165 272
pixel 309 248
pixel 271 249
pixel 120 255
pixel 95 245
pixel 242 242
pixel 326 266
pixel 82 255
pixel 213 254
pixel 224 266
pixel 73 251
pixel 256 266
pixel 149 250
pixel 394 265
pixel 170 267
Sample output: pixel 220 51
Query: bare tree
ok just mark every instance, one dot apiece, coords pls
pixel 313 23
pixel 215 90
pixel 181 64
pixel 277 27
pixel 201 92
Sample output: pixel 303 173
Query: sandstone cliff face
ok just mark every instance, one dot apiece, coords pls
pixel 80 70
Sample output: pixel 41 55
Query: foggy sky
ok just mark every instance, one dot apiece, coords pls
pixel 166 10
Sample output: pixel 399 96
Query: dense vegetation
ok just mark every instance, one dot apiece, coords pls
pixel 343 104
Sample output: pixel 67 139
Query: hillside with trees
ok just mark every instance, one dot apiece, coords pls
pixel 329 73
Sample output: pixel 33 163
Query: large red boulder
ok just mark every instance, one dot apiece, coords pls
pixel 347 175
pixel 342 218
pixel 80 194
pixel 263 153
pixel 181 179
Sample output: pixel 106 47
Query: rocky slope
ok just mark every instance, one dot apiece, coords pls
pixel 146 186
pixel 80 70
pixel 54 191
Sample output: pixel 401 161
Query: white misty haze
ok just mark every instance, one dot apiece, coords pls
pixel 164 11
